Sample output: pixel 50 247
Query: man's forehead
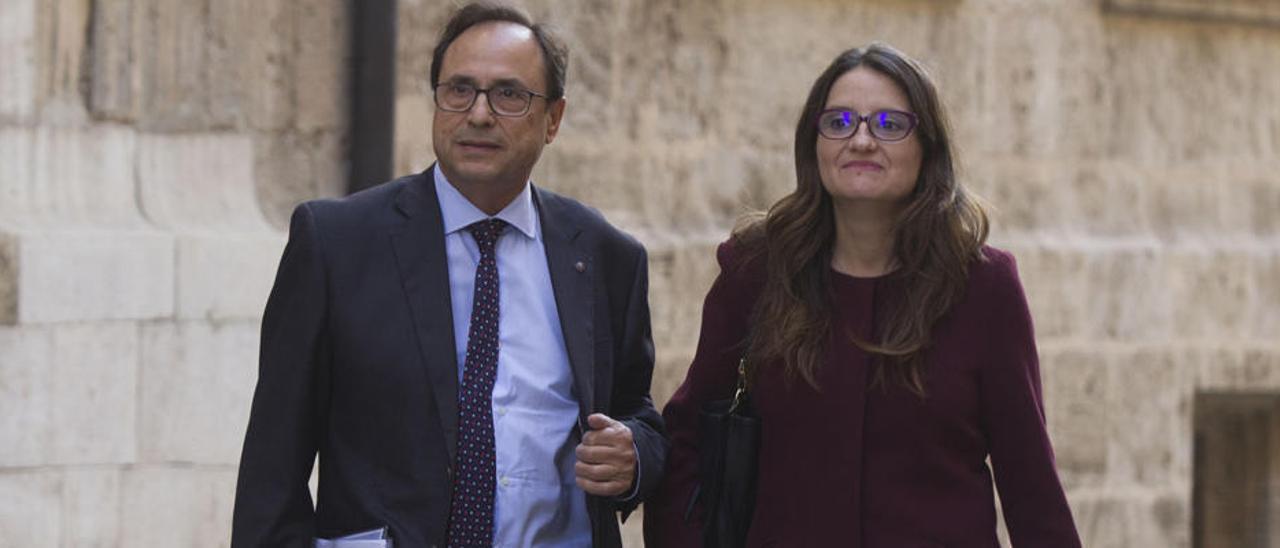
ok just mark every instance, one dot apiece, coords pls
pixel 494 50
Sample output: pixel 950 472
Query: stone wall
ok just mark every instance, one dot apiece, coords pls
pixel 1130 149
pixel 151 150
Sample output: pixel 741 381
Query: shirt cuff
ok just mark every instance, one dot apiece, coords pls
pixel 635 486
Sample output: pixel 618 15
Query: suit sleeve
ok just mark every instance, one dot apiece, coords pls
pixel 1035 507
pixel 631 402
pixel 672 518
pixel 273 505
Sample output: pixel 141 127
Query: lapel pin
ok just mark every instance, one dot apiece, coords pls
pixel 579 266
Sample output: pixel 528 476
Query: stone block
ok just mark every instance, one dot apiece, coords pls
pixel 1110 200
pixel 26 389
pixel 1260 196
pixel 1128 294
pixel 1187 206
pixel 18 57
pixel 177 506
pixel 671 60
pixel 94 394
pixel 1139 519
pixel 413 146
pixel 69 394
pixel 114 86
pixel 1156 68
pixel 68 177
pixel 1055 289
pixel 200 181
pixel 1149 419
pixel 76 275
pixel 615 182
pixel 8 279
pixel 30 508
pixel 91 506
pixel 1025 197
pixel 320 65
pixel 633 529
pixel 197 384
pixel 1265 321
pixel 290 168
pixel 1212 293
pixel 248 61
pixel 420 24
pixel 680 273
pixel 172 67
pixel 16 174
pixel 226 276
pixel 1076 388
pixel 669 372
pixel 594 79
pixel 63 29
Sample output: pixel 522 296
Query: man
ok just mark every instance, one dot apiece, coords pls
pixel 469 354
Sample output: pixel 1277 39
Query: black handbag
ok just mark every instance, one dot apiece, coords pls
pixel 727 459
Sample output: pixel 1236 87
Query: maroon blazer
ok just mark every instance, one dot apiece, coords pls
pixel 857 466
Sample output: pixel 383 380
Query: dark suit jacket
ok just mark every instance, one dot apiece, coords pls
pixel 358 364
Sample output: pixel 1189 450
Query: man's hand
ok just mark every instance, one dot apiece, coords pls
pixel 606 458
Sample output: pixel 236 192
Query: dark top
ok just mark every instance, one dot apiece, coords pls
pixel 857 466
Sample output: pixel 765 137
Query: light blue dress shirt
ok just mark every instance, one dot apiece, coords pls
pixel 536 501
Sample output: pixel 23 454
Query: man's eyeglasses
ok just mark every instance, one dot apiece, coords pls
pixel 886 125
pixel 504 100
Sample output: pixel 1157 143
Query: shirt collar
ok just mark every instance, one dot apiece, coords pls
pixel 458 212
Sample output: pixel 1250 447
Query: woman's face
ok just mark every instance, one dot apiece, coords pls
pixel 862 170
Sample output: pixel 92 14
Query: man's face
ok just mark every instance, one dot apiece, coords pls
pixel 478 150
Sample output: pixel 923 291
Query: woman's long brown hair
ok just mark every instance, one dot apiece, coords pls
pixel 939 233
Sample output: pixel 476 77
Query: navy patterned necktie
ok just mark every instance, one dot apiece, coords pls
pixel 471 510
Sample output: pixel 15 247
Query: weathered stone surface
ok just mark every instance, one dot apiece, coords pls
pixel 8 279
pixel 30 509
pixel 1128 294
pixel 1056 292
pixel 18 57
pixel 291 168
pixel 64 402
pixel 68 177
pixel 114 76
pixel 413 152
pixel 1265 323
pixel 198 181
pixel 1077 387
pixel 26 379
pixel 1149 421
pixel 320 67
pixel 197 383
pixel 681 273
pixel 91 506
pixel 177 505
pixel 63 27
pixel 79 275
pixel 226 276
pixel 1137 520
pixel 93 415
pixel 1212 292
pixel 171 66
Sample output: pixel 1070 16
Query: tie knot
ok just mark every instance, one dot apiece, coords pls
pixel 486 232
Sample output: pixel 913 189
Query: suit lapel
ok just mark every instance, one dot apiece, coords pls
pixel 572 273
pixel 424 272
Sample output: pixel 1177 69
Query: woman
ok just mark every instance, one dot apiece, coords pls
pixel 890 350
